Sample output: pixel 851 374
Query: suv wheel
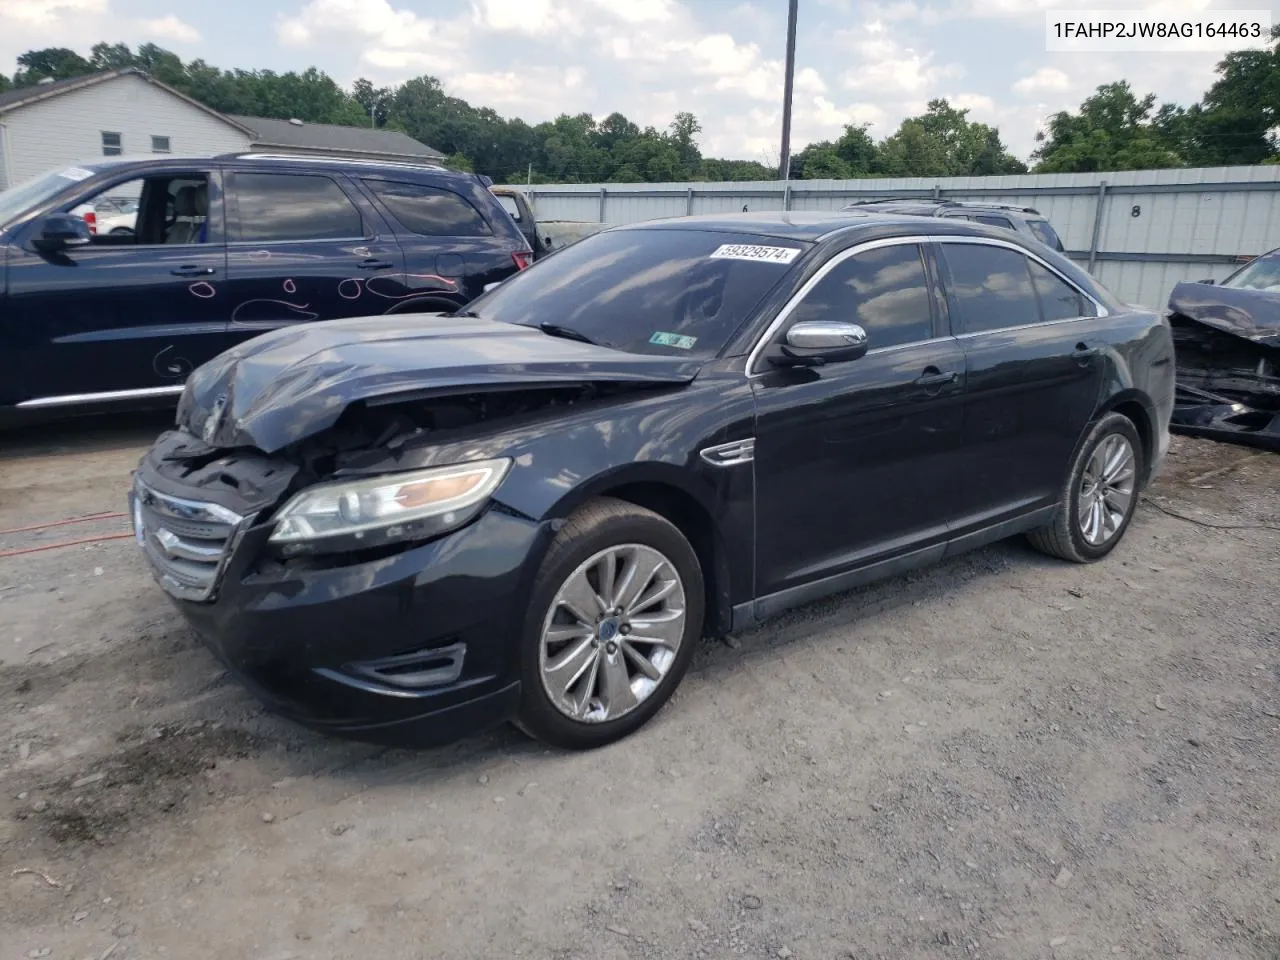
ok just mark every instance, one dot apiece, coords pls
pixel 616 611
pixel 1100 495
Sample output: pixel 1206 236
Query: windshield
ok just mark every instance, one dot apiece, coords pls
pixel 1260 274
pixel 1045 234
pixel 666 292
pixel 17 200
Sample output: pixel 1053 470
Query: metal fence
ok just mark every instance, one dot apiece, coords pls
pixel 1139 232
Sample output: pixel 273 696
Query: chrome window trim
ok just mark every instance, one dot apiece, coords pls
pixel 771 330
pixel 71 399
pixel 789 307
pixel 275 243
pixel 993 242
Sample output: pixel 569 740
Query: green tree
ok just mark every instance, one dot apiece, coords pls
pixel 52 63
pixel 1114 130
pixel 374 101
pixel 943 142
pixel 684 129
pixel 856 148
pixel 111 56
pixel 1234 123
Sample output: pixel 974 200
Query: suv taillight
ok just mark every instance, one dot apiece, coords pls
pixel 91 219
pixel 522 258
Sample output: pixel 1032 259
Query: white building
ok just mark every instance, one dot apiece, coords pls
pixel 126 112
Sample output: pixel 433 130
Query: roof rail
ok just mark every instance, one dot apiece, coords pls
pixel 862 200
pixel 332 158
pixel 946 201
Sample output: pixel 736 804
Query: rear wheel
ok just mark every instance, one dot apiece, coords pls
pixel 1100 495
pixel 616 611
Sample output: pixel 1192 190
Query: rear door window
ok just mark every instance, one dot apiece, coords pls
pixel 1045 234
pixel 990 286
pixel 276 207
pixel 885 291
pixel 1058 299
pixel 430 211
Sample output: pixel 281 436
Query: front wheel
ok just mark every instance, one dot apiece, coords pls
pixel 616 611
pixel 1100 495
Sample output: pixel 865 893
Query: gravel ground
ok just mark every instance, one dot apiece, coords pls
pixel 1003 756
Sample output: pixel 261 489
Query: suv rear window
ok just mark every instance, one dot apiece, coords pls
pixel 1045 234
pixel 430 211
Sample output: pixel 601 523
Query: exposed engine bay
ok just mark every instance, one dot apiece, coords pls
pixel 1227 343
pixel 369 436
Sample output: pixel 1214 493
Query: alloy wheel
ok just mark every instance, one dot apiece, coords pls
pixel 1106 489
pixel 612 633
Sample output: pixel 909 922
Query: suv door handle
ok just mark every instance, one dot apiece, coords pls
pixel 191 270
pixel 1083 353
pixel 372 264
pixel 933 377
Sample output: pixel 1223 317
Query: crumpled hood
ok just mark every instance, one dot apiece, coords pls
pixel 290 384
pixel 1251 314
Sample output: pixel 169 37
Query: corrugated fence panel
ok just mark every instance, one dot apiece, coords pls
pixel 1156 227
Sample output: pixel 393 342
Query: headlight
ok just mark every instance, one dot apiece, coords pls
pixel 358 514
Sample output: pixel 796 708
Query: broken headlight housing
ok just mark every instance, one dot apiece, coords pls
pixel 361 514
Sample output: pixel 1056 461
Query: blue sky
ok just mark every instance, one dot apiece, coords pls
pixel 857 61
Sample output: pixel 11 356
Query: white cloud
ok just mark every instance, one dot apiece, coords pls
pixel 170 27
pixel 977 104
pixel 1046 78
pixel 41 13
pixel 884 67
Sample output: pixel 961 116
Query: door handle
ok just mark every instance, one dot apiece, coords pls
pixel 933 377
pixel 1083 353
pixel 191 270
pixel 372 264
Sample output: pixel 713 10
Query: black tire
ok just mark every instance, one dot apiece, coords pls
pixel 1063 538
pixel 596 526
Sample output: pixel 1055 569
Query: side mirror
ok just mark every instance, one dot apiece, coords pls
pixel 1209 281
pixel 815 342
pixel 60 230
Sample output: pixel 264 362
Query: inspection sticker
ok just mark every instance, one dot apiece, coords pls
pixel 76 173
pixel 673 340
pixel 751 251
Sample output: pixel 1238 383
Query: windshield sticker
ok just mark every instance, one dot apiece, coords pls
pixel 751 251
pixel 76 173
pixel 673 340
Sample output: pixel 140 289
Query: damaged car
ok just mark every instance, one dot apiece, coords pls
pixel 406 529
pixel 1227 339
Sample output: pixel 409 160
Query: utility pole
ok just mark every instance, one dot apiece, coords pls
pixel 529 179
pixel 784 162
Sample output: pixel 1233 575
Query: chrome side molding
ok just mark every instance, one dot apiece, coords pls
pixel 72 399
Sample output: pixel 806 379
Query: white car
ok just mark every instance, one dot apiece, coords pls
pixel 109 216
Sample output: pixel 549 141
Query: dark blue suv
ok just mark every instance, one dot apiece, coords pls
pixel 118 278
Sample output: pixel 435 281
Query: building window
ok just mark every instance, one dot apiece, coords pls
pixel 159 144
pixel 111 144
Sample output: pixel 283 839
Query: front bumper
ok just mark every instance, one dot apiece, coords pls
pixel 417 648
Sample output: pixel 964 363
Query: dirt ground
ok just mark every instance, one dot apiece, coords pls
pixel 1004 757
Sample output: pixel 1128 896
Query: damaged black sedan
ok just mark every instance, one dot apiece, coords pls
pixel 1227 338
pixel 408 528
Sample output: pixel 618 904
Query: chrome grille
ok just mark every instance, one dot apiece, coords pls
pixel 187 542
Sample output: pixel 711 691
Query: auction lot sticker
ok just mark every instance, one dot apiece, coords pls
pixel 751 251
